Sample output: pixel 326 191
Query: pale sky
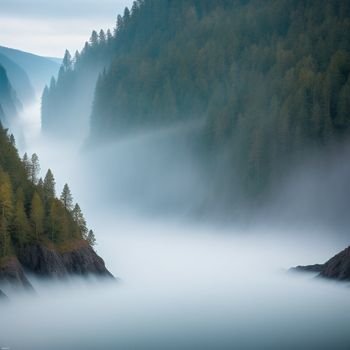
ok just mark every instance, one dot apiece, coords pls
pixel 48 27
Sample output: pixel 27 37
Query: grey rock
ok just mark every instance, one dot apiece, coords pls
pixel 337 267
pixel 84 261
pixel 47 262
pixel 42 261
pixel 308 268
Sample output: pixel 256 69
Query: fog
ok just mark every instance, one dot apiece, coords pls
pixel 183 284
pixel 185 288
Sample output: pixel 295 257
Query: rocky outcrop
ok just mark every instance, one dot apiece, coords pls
pixel 11 272
pixel 42 261
pixel 48 262
pixel 337 267
pixel 308 268
pixel 84 261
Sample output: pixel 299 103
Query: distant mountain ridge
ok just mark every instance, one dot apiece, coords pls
pixel 19 79
pixel 39 69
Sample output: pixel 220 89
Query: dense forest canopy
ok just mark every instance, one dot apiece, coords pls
pixel 270 79
pixel 30 212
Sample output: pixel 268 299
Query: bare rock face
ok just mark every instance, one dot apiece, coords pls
pixel 11 272
pixel 337 267
pixel 84 261
pixel 47 262
pixel 42 261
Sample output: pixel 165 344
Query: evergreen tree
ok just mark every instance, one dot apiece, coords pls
pixel 49 185
pixel 80 222
pixel 67 61
pixel 66 198
pixel 102 37
pixel 109 36
pixel 76 57
pixel 34 168
pixel 91 238
pixel 12 140
pixel 27 165
pixel 94 39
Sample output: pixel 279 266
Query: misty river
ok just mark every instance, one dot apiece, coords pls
pixel 182 284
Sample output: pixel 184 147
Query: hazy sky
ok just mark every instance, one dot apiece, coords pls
pixel 48 27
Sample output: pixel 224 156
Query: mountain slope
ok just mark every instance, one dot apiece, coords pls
pixel 270 80
pixel 39 69
pixel 19 79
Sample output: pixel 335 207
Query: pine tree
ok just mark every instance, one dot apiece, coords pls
pixel 109 36
pixel 94 39
pixel 66 198
pixel 91 238
pixel 27 165
pixel 49 185
pixel 126 16
pixel 102 37
pixel 119 25
pixel 79 220
pixel 34 168
pixel 76 57
pixel 67 61
pixel 37 215
pixel 12 140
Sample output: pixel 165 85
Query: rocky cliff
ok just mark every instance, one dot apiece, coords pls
pixel 48 262
pixel 337 267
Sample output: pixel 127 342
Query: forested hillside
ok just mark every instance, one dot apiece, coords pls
pixel 30 211
pixel 75 85
pixel 270 79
